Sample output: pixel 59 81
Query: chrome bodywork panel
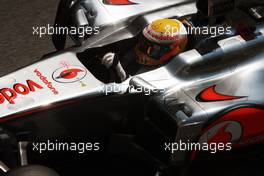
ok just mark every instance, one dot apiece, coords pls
pixel 45 74
pixel 235 68
pixel 114 14
pixel 119 22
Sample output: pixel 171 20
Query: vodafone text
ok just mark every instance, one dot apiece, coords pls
pixel 10 94
pixel 45 81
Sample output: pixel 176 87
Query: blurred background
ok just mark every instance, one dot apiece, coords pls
pixel 18 46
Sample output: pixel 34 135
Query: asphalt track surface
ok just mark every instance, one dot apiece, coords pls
pixel 18 45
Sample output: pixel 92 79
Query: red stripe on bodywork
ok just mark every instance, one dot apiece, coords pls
pixel 210 94
pixel 251 121
pixel 118 2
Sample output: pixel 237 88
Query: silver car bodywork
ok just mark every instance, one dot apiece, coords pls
pixel 47 67
pixel 237 72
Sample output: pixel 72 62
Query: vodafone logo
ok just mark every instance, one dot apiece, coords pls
pixel 69 74
pixel 10 94
pixel 227 131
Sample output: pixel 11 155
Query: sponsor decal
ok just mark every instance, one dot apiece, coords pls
pixel 10 94
pixel 241 126
pixel 225 132
pixel 69 74
pixel 210 94
pixel 118 2
pixel 46 82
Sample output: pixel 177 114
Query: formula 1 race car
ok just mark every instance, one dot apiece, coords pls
pixel 135 94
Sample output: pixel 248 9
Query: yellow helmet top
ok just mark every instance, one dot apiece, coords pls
pixel 165 31
pixel 161 40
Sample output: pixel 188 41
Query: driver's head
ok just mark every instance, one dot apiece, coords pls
pixel 161 40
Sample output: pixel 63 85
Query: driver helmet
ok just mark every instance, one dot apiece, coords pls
pixel 161 40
